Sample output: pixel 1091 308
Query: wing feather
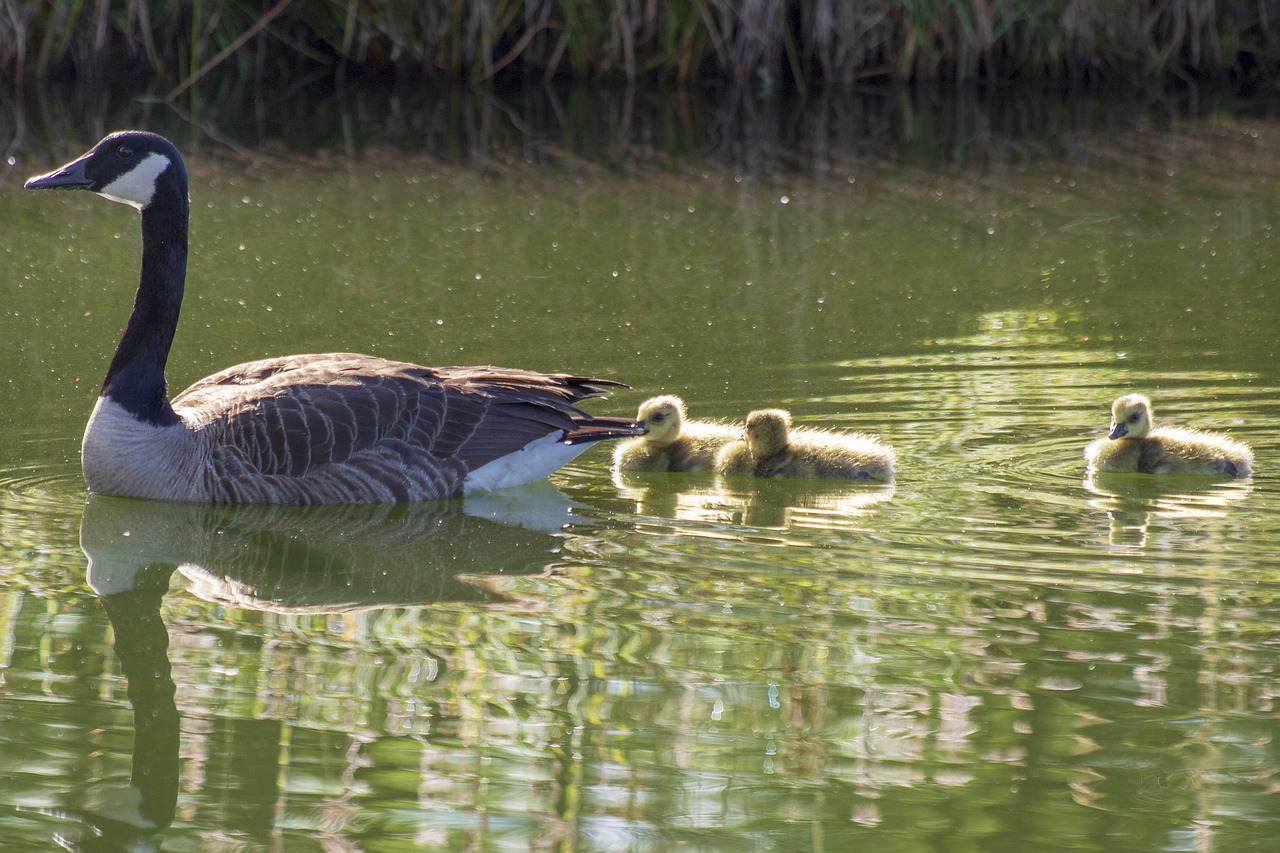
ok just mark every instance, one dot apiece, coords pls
pixel 341 427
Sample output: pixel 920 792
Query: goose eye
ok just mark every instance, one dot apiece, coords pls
pixel 1133 418
pixel 658 417
pixel 124 152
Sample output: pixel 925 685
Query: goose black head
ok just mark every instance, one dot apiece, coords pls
pixel 129 167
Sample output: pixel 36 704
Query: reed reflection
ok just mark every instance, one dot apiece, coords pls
pixel 830 131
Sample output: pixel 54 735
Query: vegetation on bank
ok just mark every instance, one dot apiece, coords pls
pixel 745 41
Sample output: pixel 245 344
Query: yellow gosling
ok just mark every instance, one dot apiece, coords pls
pixel 1134 445
pixel 773 449
pixel 672 441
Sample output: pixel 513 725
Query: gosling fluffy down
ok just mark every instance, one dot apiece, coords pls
pixel 1134 445
pixel 772 448
pixel 672 441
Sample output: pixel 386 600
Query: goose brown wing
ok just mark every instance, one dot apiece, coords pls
pixel 507 409
pixel 302 429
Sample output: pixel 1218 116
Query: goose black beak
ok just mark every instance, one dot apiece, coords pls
pixel 68 177
pixel 1118 431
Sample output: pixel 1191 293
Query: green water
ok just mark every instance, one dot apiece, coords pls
pixel 994 653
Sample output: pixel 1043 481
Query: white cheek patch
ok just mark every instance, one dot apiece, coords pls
pixel 137 186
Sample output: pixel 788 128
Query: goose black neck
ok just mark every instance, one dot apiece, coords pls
pixel 135 379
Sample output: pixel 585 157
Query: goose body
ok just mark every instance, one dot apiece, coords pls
pixel 1135 446
pixel 672 441
pixel 329 428
pixel 771 448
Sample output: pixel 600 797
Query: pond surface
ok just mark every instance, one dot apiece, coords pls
pixel 994 653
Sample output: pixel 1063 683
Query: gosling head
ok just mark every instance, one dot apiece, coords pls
pixel 767 431
pixel 132 167
pixel 662 418
pixel 1130 417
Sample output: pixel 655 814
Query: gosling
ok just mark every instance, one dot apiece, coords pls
pixel 672 442
pixel 773 449
pixel 1134 445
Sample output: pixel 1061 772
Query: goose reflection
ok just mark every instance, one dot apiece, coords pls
pixel 777 504
pixel 282 559
pixel 325 559
pixel 110 817
pixel 1131 501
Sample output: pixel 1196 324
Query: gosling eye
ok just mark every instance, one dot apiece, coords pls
pixel 658 417
pixel 1133 419
pixel 124 152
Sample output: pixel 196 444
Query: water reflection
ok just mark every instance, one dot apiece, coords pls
pixel 1131 501
pixel 825 132
pixel 291 559
pixel 279 559
pixel 119 817
pixel 763 503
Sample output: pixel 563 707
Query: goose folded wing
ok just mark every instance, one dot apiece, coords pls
pixel 285 417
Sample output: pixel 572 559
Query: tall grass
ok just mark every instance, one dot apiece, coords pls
pixel 804 41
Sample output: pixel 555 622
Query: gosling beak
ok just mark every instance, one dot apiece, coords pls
pixel 1118 431
pixel 68 177
pixel 644 430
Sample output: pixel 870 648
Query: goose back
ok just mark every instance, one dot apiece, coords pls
pixel 350 428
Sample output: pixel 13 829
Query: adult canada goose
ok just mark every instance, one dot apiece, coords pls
pixel 1135 446
pixel 772 448
pixel 302 429
pixel 672 443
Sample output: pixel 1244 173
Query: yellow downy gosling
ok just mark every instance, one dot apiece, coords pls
pixel 1134 445
pixel 672 441
pixel 773 449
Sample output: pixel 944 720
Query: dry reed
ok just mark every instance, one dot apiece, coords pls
pixel 758 41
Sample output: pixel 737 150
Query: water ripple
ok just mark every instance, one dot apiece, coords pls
pixel 990 432
pixel 41 489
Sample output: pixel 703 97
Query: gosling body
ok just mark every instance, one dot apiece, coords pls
pixel 772 448
pixel 1135 446
pixel 672 442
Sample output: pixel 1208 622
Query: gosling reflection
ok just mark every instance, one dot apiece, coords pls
pixel 779 504
pixel 1132 502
